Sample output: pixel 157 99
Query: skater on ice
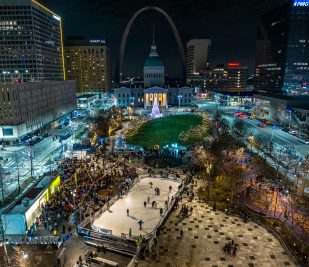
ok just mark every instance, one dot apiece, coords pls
pixel 140 223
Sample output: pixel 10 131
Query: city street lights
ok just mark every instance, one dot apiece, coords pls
pixel 4 75
pixel 179 97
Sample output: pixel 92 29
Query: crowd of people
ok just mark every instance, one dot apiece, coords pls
pixel 99 177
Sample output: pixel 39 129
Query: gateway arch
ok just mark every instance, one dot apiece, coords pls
pixel 126 33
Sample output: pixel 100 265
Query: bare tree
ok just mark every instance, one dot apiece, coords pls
pixel 264 145
pixel 277 156
pixel 220 127
pixel 240 130
pixel 204 160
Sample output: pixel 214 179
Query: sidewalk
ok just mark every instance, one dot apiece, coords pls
pixel 205 234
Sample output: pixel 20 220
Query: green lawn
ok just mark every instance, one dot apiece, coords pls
pixel 164 131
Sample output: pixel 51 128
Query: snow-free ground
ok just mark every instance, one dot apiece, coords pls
pixel 116 219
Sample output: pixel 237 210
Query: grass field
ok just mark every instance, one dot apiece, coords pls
pixel 164 131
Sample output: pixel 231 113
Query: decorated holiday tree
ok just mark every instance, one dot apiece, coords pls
pixel 155 109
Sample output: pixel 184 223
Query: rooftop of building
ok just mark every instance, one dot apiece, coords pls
pixel 283 97
pixel 29 197
pixel 153 62
pixel 82 41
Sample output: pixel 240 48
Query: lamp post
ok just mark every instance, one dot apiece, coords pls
pixel 179 97
pixel 251 140
pixel 272 132
pixel 209 167
pixel 4 74
pixel 74 205
pixel 290 112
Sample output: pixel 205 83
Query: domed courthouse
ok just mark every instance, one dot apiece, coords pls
pixel 154 88
pixel 154 71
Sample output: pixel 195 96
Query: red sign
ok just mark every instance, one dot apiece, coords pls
pixel 233 64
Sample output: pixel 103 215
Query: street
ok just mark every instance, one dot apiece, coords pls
pixel 278 136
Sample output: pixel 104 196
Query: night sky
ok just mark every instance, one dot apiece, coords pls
pixel 231 24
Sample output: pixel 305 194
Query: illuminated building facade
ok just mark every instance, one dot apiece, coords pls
pixel 88 62
pixel 26 107
pixel 197 58
pixel 237 77
pixel 141 97
pixel 154 71
pixel 30 42
pixel 282 62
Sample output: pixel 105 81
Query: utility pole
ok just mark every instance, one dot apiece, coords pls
pixel 31 160
pixel 18 177
pixel 1 182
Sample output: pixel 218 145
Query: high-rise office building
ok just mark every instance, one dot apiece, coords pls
pixel 296 80
pixel 197 58
pixel 88 62
pixel 30 42
pixel 283 49
pixel 216 79
pixel 237 77
pixel 26 107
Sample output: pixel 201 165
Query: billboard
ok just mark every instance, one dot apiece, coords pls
pixel 301 3
pixel 35 208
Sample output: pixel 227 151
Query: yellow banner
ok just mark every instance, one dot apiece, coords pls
pixel 75 178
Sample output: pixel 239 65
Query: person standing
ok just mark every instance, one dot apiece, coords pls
pixel 130 233
pixel 140 223
pixel 161 211
pixel 145 204
pixel 128 212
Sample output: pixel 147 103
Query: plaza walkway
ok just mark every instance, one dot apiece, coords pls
pixel 205 234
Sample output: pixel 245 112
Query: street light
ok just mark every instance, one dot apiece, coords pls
pixel 290 111
pixel 74 205
pixel 179 97
pixel 272 132
pixel 209 167
pixel 4 75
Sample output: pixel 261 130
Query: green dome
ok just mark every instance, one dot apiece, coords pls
pixel 153 62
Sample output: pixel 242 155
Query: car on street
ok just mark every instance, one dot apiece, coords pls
pixel 262 124
pixel 304 140
pixel 292 132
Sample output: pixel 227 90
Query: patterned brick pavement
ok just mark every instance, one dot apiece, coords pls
pixel 205 234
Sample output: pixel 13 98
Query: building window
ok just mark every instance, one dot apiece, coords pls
pixel 7 132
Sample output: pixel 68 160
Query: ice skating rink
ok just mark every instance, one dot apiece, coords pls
pixel 116 219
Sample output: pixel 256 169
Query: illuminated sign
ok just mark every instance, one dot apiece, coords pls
pixel 233 64
pixel 97 41
pixel 56 17
pixel 301 3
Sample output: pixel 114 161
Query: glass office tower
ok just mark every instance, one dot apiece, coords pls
pixel 282 62
pixel 30 42
pixel 297 59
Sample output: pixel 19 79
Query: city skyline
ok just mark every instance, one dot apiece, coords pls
pixel 107 20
